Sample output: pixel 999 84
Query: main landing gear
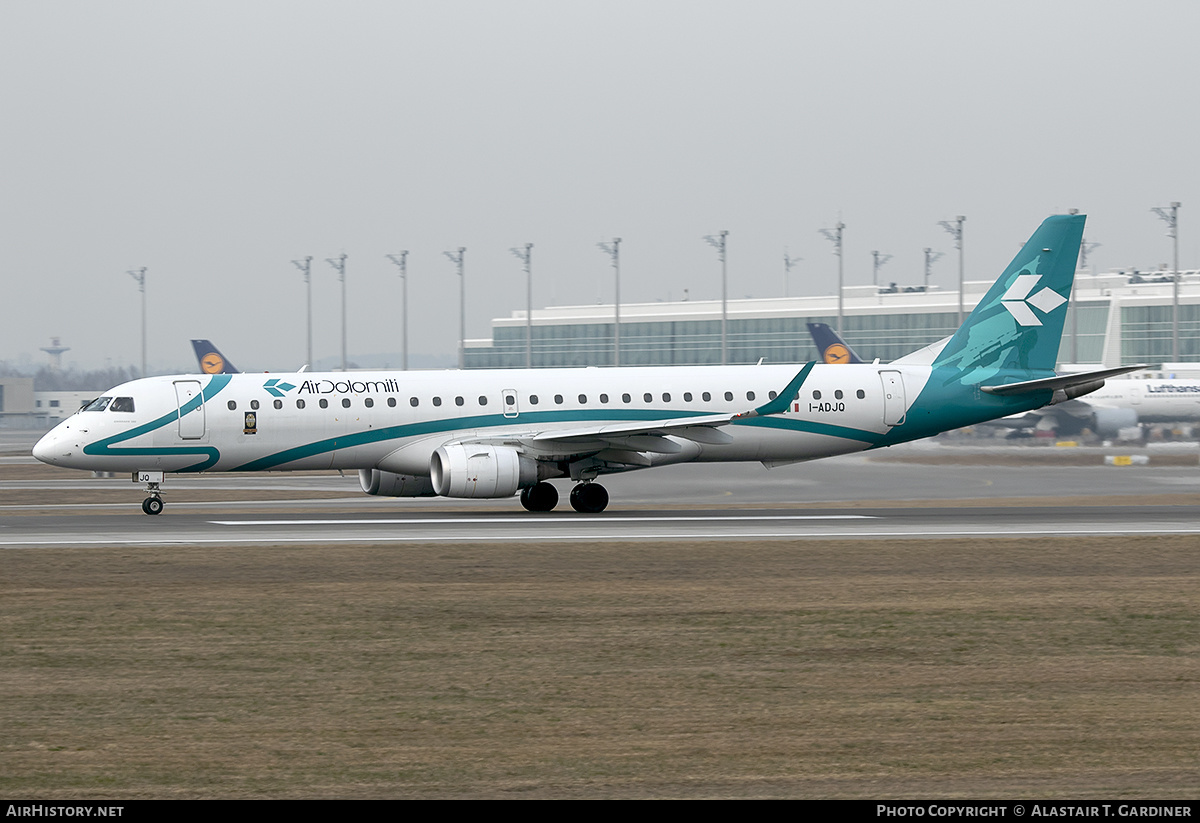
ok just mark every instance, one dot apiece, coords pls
pixel 589 498
pixel 540 498
pixel 154 503
pixel 586 498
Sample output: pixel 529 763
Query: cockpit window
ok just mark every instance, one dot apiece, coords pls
pixel 99 404
pixel 122 404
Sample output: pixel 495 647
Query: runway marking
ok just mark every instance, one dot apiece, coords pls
pixel 563 519
pixel 467 538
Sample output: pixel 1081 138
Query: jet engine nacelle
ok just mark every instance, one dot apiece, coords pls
pixel 1110 421
pixel 481 471
pixel 389 484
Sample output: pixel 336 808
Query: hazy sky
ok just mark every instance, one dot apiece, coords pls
pixel 214 142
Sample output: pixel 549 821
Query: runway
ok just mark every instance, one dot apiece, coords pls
pixel 850 497
pixel 947 626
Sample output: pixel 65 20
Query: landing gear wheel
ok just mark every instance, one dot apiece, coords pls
pixel 152 505
pixel 540 498
pixel 589 498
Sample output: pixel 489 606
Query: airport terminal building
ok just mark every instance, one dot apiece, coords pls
pixel 1115 318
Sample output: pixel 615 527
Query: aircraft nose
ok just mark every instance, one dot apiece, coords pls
pixel 52 448
pixel 44 448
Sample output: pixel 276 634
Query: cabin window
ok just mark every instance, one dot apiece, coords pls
pixel 482 400
pixel 412 401
pixel 558 399
pixel 666 397
pixel 729 395
pixel 299 404
pixel 687 397
pixel 604 398
pixel 369 402
pixel 345 402
pixel 458 401
pixel 437 401
pixel 232 404
pixel 771 395
pixel 749 395
pixel 706 397
pixel 99 404
pixel 510 400
pixel 278 404
pixel 625 398
pixel 816 394
pixel 582 399
pixel 861 394
pixel 837 395
pixel 253 404
pixel 533 401
pixel 391 402
pixel 648 397
pixel 323 403
pixel 122 404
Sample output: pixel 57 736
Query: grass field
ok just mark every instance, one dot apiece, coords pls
pixel 932 669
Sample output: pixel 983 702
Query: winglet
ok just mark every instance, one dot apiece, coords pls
pixel 784 399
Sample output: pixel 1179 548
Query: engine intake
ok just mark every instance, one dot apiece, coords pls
pixel 1109 422
pixel 481 471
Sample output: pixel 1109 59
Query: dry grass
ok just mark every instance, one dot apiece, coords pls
pixel 793 668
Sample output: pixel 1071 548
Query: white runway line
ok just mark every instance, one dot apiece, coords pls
pixel 471 521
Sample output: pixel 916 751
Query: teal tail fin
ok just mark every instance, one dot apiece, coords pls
pixel 1018 325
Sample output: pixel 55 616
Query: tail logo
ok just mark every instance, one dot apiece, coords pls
pixel 1018 301
pixel 837 353
pixel 212 363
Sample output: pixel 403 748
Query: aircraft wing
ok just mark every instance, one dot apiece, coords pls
pixel 632 439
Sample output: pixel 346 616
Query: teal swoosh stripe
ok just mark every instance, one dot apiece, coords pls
pixel 483 421
pixel 811 427
pixel 349 441
pixel 212 455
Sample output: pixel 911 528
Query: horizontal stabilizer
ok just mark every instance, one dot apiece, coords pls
pixel 1060 383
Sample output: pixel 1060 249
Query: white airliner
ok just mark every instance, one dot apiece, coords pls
pixel 1120 404
pixel 490 434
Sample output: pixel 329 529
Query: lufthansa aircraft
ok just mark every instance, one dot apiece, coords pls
pixel 211 360
pixel 491 434
pixel 832 348
pixel 1120 404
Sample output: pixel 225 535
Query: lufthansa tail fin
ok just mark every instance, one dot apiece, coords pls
pixel 1017 326
pixel 211 360
pixel 830 344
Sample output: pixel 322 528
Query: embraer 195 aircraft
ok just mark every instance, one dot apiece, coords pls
pixel 490 434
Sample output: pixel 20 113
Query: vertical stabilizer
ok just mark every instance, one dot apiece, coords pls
pixel 1017 326
pixel 830 344
pixel 210 358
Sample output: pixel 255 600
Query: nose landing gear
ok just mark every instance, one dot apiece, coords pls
pixel 154 503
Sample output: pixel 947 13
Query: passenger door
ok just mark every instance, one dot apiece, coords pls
pixel 191 423
pixel 894 404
